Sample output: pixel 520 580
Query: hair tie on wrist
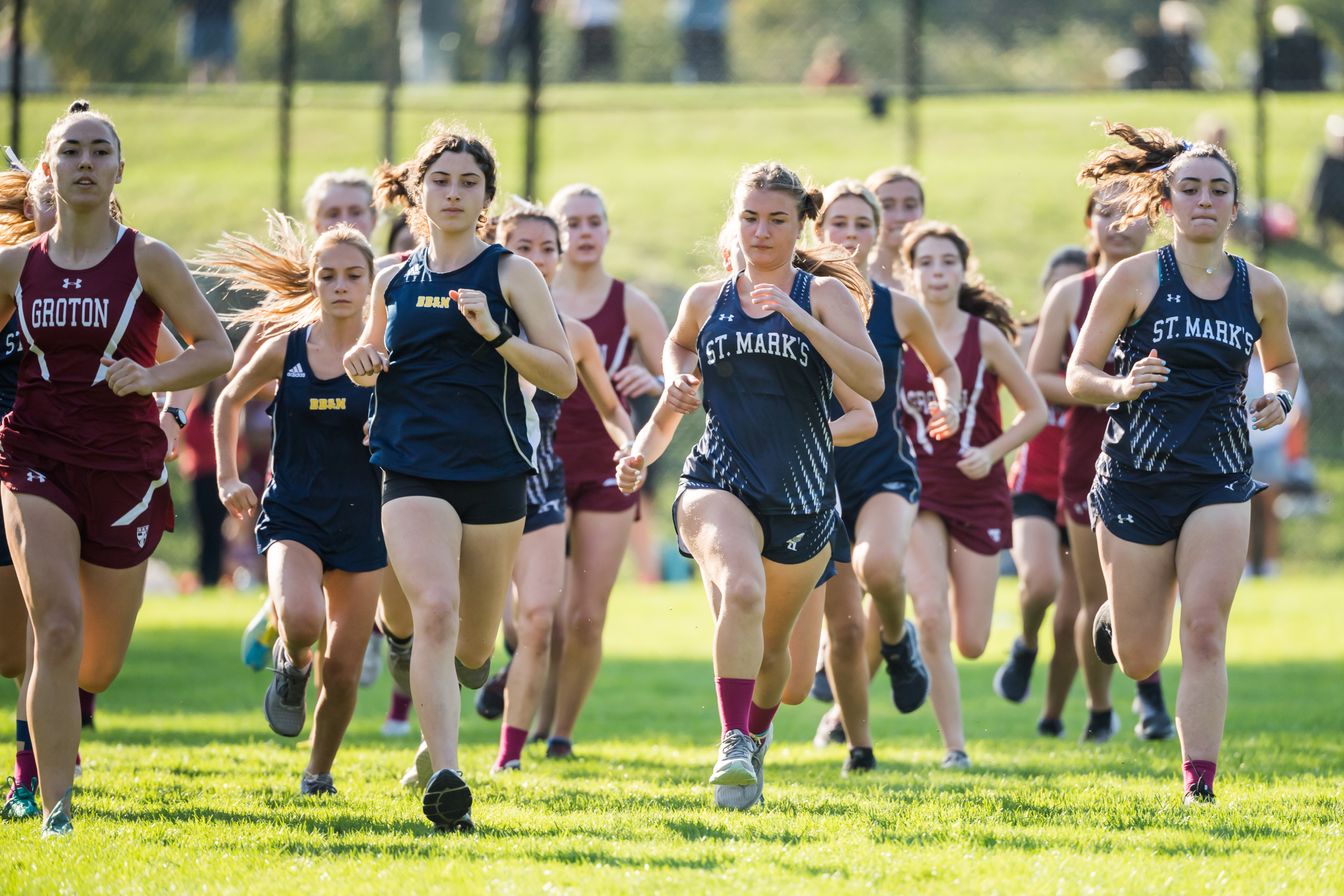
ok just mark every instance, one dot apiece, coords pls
pixel 1285 401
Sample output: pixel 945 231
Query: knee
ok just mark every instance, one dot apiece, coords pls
pixel 12 660
pixel 883 577
pixel 1064 625
pixel 934 623
pixel 435 614
pixel 744 597
pixel 971 646
pixel 585 623
pixel 300 624
pixel 57 632
pixel 1039 586
pixel 1203 635
pixel 848 636
pixel 795 694
pixel 534 627
pixel 1139 659
pixel 340 676
pixel 474 656
pixel 98 677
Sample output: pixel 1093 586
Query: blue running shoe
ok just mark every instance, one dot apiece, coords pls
pixel 258 638
pixel 21 802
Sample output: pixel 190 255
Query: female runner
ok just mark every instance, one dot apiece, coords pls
pixel 965 510
pixel 756 503
pixel 900 193
pixel 1171 500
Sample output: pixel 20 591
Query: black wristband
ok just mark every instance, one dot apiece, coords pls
pixel 505 334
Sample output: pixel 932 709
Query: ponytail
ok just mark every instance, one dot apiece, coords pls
pixel 829 260
pixel 976 297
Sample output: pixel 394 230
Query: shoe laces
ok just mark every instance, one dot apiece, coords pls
pixel 736 745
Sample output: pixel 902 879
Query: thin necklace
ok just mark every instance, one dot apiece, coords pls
pixel 1208 270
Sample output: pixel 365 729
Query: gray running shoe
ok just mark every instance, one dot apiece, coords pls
pixel 286 703
pixel 57 824
pixel 1101 728
pixel 399 662
pixel 830 730
pixel 316 785
pixel 734 766
pixel 956 759
pixel 471 678
pixel 734 796
pixel 373 661
pixel 447 801
pixel 513 765
pixel 417 776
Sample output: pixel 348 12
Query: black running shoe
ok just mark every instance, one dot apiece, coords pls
pixel 1101 726
pixel 1013 680
pixel 821 687
pixel 490 699
pixel 1154 720
pixel 447 801
pixel 1048 727
pixel 1101 635
pixel 905 668
pixel 1199 792
pixel 830 730
pixel 859 762
pixel 559 748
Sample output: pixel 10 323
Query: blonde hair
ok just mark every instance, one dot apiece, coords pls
pixel 282 270
pixel 847 187
pixel 895 174
pixel 399 185
pixel 823 261
pixel 322 184
pixel 519 209
pixel 562 196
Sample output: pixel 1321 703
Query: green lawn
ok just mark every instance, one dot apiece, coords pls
pixel 186 790
pixel 1001 166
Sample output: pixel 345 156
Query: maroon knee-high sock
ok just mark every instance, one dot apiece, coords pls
pixel 734 702
pixel 758 720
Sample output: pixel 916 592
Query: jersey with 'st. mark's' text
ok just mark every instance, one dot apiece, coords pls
pixel 1195 422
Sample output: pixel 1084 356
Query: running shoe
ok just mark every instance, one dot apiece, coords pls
pixel 1199 793
pixel 821 687
pixel 957 759
pixel 286 703
pixel 740 797
pixel 513 765
pixel 418 774
pixel 447 801
pixel 395 727
pixel 830 730
pixel 1154 720
pixel 1101 727
pixel 79 765
pixel 734 765
pixel 21 801
pixel 559 748
pixel 258 637
pixel 1102 634
pixel 860 761
pixel 399 661
pixel 471 678
pixel 373 661
pixel 316 785
pixel 1048 727
pixel 905 668
pixel 57 824
pixel 1013 680
pixel 490 699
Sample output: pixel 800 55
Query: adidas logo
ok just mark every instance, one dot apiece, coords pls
pixel 297 372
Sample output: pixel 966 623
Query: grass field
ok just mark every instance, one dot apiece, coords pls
pixel 1001 166
pixel 186 790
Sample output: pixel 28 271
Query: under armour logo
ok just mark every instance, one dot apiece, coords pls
pixel 1125 518
pixel 725 317
pixel 34 476
pixel 1231 486
pixel 792 543
pixel 995 534
pixel 66 283
pixel 141 534
pixel 1173 297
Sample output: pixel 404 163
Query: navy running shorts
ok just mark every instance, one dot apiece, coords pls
pixel 1151 508
pixel 787 538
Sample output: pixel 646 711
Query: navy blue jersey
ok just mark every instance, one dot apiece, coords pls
pixel 1195 422
pixel 766 390
pixel 322 483
pixel 550 469
pixel 861 469
pixel 11 350
pixel 449 407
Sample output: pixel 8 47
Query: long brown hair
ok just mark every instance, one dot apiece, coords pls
pixel 399 185
pixel 282 270
pixel 826 260
pixel 1141 166
pixel 976 297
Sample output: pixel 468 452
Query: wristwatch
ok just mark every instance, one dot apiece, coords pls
pixel 178 415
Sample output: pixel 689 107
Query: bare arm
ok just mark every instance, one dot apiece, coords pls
pixel 1277 354
pixel 679 351
pixel 835 329
pixel 858 423
pixel 543 358
pixel 368 357
pixel 976 462
pixel 265 366
pixel 1057 314
pixel 649 332
pixel 915 327
pixel 593 377
pixel 1118 302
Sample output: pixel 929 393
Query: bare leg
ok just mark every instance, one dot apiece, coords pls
pixel 351 599
pixel 539 575
pixel 1036 555
pixel 847 660
pixel 803 646
pixel 1064 661
pixel 1092 592
pixel 927 572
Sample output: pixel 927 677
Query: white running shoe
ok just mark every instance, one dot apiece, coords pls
pixel 734 766
pixel 373 662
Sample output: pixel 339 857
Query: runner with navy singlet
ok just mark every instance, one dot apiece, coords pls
pixel 900 194
pixel 453 432
pixel 965 509
pixel 1040 542
pixel 630 332
pixel 1062 317
pixel 539 573
pixel 878 486
pixel 82 452
pixel 756 507
pixel 317 521
pixel 1171 498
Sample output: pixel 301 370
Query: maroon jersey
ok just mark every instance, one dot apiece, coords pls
pixel 1084 427
pixel 983 504
pixel 580 439
pixel 72 320
pixel 1035 470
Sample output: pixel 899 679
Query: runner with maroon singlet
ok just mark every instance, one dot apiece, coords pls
pixel 82 453
pixel 965 510
pixel 630 332
pixel 1040 543
pixel 1084 428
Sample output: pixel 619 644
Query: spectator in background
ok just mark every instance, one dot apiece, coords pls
pixel 501 29
pixel 1327 193
pixel 1271 464
pixel 212 42
pixel 594 23
pixel 429 38
pixel 830 65
pixel 1295 57
pixel 702 25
